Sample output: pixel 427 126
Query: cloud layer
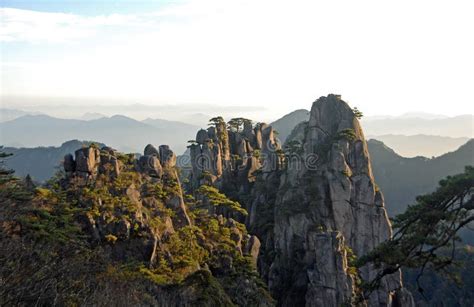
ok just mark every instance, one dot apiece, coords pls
pixel 382 56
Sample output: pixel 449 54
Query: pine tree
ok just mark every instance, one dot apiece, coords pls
pixel 426 229
pixel 11 187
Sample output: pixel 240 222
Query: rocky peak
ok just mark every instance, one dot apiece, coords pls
pixel 150 150
pixel 229 156
pixel 328 201
pixel 167 156
pixel 90 161
pixel 155 160
pixel 313 207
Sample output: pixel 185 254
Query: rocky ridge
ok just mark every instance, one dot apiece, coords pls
pixel 117 228
pixel 120 230
pixel 314 207
pixel 231 158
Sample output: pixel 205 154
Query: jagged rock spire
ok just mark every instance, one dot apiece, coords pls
pixel 225 156
pixel 327 208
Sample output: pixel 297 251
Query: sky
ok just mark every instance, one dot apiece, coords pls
pixel 385 57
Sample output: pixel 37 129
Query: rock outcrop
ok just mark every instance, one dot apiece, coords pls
pixel 154 165
pixel 159 163
pixel 87 160
pixel 228 158
pixel 313 208
pixel 327 206
pixel 90 161
pixel 151 165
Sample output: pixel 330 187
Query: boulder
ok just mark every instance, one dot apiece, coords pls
pixel 150 150
pixel 150 165
pixel 109 164
pixel 87 160
pixel 252 248
pixel 176 203
pixel 258 137
pixel 167 156
pixel 236 236
pixel 202 137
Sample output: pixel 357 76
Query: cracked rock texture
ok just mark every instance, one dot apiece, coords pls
pixel 327 207
pixel 312 210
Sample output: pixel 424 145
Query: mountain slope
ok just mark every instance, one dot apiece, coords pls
pixel 420 144
pixel 285 125
pixel 114 231
pixel 402 179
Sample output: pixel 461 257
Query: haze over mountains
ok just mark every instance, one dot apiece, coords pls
pixel 410 135
pixel 458 126
pixel 195 114
pixel 426 135
pixel 421 144
pixel 11 114
pixel 41 163
pixel 402 179
pixel 50 137
pixel 121 132
pixel 401 162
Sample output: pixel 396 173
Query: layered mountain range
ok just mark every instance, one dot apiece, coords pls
pixel 121 132
pixel 422 135
pixel 253 222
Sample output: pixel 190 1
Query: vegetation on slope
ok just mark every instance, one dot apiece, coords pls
pixel 116 241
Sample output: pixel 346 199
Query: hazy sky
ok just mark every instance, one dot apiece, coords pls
pixel 386 57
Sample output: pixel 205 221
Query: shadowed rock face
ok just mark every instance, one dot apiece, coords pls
pixel 326 207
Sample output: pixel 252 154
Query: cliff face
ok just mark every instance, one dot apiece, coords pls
pixel 327 207
pixel 315 210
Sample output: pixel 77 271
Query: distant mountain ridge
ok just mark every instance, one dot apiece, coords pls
pixel 41 163
pixel 11 114
pixel 285 125
pixel 407 134
pixel 402 179
pixel 121 132
pixel 458 126
pixel 92 115
pixel 420 144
